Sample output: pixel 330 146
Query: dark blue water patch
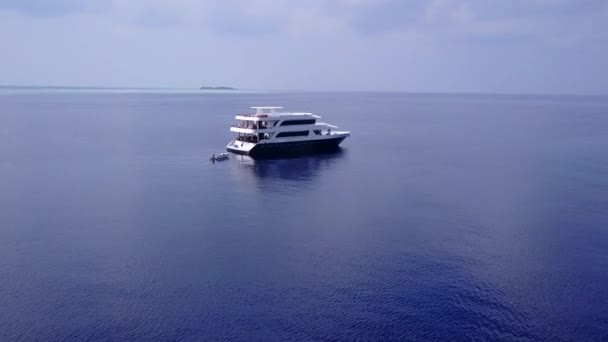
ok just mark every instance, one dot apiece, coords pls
pixel 460 217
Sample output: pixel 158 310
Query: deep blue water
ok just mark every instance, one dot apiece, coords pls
pixel 444 217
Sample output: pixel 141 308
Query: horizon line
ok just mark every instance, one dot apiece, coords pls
pixel 236 90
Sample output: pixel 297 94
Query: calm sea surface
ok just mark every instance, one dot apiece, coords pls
pixel 444 217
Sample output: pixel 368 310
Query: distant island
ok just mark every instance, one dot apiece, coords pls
pixel 217 88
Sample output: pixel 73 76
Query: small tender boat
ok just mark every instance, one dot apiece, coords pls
pixel 219 156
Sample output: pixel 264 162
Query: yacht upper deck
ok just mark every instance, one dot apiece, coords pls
pixel 271 113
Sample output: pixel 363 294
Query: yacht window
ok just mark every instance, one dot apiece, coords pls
pixel 292 134
pixel 298 122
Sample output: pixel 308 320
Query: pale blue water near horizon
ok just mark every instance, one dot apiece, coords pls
pixel 444 217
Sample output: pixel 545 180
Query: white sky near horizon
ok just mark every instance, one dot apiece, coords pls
pixel 518 46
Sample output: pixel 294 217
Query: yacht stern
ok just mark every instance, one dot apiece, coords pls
pixel 240 147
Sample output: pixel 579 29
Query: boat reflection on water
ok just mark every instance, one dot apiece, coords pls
pixel 276 174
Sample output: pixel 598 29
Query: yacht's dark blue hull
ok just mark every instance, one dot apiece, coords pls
pixel 292 148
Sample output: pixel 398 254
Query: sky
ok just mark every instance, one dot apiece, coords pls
pixel 488 46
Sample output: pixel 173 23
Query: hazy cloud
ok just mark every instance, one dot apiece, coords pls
pixel 55 7
pixel 493 45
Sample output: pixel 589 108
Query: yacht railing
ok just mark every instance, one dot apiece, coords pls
pixel 249 127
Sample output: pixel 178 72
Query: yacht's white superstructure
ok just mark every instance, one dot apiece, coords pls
pixel 269 132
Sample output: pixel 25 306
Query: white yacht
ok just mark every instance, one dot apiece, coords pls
pixel 269 132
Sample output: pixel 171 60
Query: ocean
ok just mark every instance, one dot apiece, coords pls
pixel 444 217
